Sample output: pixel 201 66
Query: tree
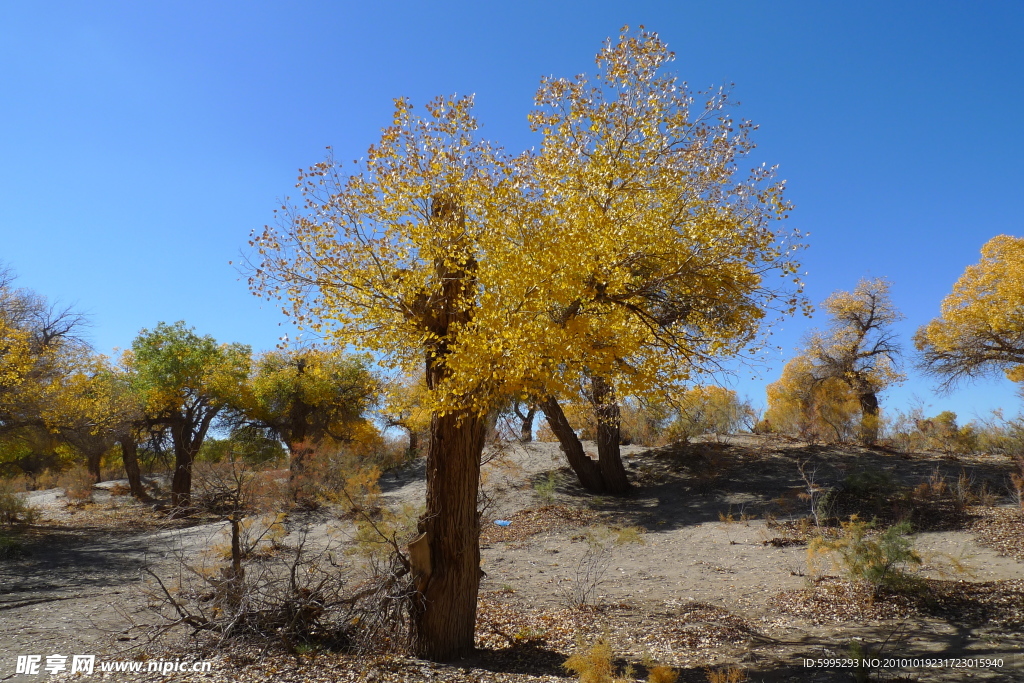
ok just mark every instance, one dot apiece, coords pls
pixel 185 381
pixel 406 407
pixel 95 408
pixel 625 255
pixel 707 409
pixel 981 329
pixel 39 344
pixel 525 419
pixel 307 396
pixel 810 407
pixel 858 349
pixel 669 243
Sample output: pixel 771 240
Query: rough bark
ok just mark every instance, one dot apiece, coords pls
pixel 586 469
pixel 446 617
pixel 414 443
pixel 300 454
pixel 609 457
pixel 92 463
pixel 130 457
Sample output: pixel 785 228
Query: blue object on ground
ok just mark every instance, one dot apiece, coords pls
pixel 502 522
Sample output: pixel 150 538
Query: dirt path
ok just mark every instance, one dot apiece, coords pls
pixel 696 585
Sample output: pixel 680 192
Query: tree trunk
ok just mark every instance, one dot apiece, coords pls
pixel 300 454
pixel 92 462
pixel 586 469
pixel 414 442
pixel 868 417
pixel 491 430
pixel 526 428
pixel 446 616
pixel 609 457
pixel 181 484
pixel 448 577
pixel 187 436
pixel 130 457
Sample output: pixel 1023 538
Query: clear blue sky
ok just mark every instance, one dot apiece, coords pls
pixel 141 142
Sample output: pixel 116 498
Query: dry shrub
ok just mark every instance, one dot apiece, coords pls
pixel 328 471
pixel 298 600
pixel 592 664
pixel 727 675
pixel 77 484
pixel 662 674
pixel 259 536
pixel 967 492
pixel 253 585
pixel 581 588
pixel 1017 478
pixel 14 510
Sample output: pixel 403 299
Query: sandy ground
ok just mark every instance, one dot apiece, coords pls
pixel 697 584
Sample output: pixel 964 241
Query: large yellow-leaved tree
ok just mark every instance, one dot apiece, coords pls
pixel 626 254
pixel 981 329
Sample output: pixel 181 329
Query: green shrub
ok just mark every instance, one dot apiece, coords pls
pixel 881 560
pixel 545 488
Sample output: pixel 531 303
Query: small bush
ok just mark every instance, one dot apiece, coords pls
pixel 546 488
pixel 662 674
pixel 869 484
pixel 592 664
pixel 730 675
pixel 880 560
pixel 77 484
pixel 581 589
pixel 14 510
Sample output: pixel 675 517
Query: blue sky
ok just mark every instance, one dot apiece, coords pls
pixel 140 143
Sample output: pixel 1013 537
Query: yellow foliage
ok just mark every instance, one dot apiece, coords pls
pixel 813 410
pixel 982 323
pixel 853 360
pixel 638 259
pixel 706 409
